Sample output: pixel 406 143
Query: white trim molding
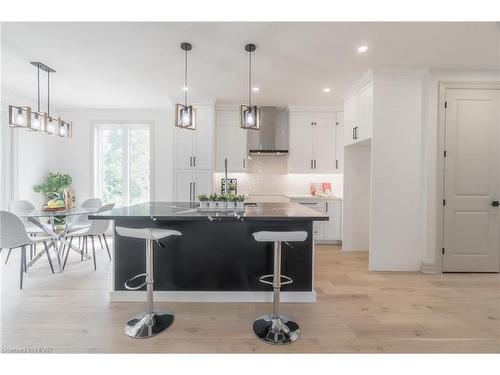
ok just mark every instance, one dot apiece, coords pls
pixel 212 296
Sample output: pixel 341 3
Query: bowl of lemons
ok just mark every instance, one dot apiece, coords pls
pixel 55 205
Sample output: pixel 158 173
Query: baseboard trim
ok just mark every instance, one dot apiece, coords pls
pixel 212 296
pixel 429 268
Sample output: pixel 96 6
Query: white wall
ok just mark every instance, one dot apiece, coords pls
pixel 76 152
pixel 356 203
pixel 33 155
pixel 429 152
pixel 396 183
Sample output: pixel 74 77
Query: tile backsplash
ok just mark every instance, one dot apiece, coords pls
pixel 268 175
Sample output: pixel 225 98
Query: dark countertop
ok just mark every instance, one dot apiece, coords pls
pixel 190 211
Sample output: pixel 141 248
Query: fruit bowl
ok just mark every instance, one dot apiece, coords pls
pixel 53 209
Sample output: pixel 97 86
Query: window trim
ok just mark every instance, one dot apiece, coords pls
pixel 96 125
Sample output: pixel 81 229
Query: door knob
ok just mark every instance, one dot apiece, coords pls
pixel 495 203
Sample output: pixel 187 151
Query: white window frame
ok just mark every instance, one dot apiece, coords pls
pixel 97 167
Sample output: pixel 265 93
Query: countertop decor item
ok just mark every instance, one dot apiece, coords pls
pixel 25 117
pixel 185 115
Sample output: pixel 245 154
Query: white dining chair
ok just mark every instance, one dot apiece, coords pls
pixel 13 235
pixel 97 228
pixel 82 222
pixel 19 207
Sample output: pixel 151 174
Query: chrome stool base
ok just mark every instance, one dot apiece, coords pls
pixel 149 324
pixel 278 330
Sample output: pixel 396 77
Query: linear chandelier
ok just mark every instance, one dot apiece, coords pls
pixel 26 118
pixel 185 115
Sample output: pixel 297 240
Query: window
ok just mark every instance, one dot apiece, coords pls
pixel 122 163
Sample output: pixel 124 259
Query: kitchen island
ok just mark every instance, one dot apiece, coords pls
pixel 216 258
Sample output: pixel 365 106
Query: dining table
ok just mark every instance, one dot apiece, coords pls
pixel 46 221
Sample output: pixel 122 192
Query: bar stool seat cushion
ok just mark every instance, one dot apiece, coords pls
pixel 271 236
pixel 146 233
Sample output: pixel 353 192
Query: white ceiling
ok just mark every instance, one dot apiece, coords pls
pixel 140 65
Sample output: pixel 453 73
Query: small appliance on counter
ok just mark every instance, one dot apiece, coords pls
pixel 320 189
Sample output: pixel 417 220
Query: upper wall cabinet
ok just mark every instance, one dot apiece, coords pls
pixel 194 149
pixel 312 142
pixel 231 142
pixel 339 143
pixel 358 115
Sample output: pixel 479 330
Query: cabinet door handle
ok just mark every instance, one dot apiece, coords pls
pixel 190 161
pixel 194 191
pixel 336 164
pixel 244 163
pixel 314 163
pixel 190 190
pixel 194 161
pixel 326 206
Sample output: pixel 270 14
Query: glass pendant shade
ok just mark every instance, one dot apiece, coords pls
pixel 19 117
pixel 38 121
pixel 185 116
pixel 64 129
pixel 250 117
pixel 53 125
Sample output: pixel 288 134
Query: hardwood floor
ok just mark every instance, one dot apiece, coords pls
pixel 357 311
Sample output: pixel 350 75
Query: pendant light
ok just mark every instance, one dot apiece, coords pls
pixel 250 114
pixel 25 117
pixel 185 115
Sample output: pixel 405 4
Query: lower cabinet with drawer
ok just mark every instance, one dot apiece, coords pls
pixel 330 231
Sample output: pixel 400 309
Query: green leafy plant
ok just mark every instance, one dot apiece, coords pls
pixel 222 198
pixel 233 198
pixel 213 197
pixel 53 186
pixel 203 198
pixel 240 198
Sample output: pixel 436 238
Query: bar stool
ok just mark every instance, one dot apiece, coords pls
pixel 151 322
pixel 275 328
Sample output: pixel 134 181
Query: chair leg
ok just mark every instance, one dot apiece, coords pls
pixel 8 255
pixel 21 269
pixel 82 248
pixel 48 256
pixel 67 253
pixel 100 241
pixel 93 253
pixel 106 243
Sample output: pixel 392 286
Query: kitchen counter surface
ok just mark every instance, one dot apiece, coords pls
pixel 191 211
pixel 306 196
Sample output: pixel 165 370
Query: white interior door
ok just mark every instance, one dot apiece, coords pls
pixel 471 222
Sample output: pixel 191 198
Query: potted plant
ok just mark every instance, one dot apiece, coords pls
pixel 212 200
pixel 232 189
pixel 231 201
pixel 240 199
pixel 222 201
pixel 53 190
pixel 203 199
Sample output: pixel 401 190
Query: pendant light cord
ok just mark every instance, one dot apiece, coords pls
pixel 48 93
pixel 185 76
pixel 250 79
pixel 38 88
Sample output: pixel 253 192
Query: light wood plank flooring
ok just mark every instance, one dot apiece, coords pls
pixel 357 311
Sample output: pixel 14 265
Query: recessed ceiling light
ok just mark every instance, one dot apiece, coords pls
pixel 362 49
pixel 255 89
pixel 327 89
pixel 185 88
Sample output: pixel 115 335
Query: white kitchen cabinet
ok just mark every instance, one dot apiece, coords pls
pixel 339 143
pixel 231 142
pixel 194 149
pixel 300 150
pixel 311 142
pixel 325 231
pixel 189 184
pixel 358 115
pixel 324 150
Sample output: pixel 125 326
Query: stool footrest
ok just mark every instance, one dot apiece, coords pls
pixel 264 279
pixel 127 283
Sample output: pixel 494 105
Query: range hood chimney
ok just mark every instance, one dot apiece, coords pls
pixel 272 137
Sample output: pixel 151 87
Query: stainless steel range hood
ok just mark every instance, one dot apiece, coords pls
pixel 272 137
